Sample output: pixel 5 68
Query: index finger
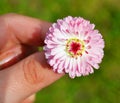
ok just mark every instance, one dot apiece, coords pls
pixel 26 30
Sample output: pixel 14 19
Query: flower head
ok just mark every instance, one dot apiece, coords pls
pixel 74 47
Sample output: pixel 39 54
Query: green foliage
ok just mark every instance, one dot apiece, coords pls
pixel 104 85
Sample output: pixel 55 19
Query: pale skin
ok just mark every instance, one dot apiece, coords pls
pixel 23 70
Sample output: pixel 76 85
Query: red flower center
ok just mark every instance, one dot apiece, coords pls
pixel 75 47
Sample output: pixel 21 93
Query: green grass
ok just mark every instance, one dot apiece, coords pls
pixel 104 85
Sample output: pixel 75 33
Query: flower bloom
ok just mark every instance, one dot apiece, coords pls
pixel 73 46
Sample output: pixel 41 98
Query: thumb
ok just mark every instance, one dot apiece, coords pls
pixel 25 78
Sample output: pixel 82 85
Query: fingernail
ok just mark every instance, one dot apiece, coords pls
pixel 10 57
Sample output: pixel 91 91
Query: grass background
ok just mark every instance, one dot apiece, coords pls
pixel 104 85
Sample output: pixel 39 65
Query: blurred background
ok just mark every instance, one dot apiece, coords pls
pixel 104 85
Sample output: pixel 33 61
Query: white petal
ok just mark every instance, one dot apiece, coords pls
pixel 60 67
pixel 79 65
pixel 67 64
pixel 57 50
pixel 59 55
pixel 71 69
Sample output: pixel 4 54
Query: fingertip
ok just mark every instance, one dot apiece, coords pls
pixel 27 30
pixel 37 71
pixel 30 99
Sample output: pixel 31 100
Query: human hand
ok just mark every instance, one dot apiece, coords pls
pixel 23 70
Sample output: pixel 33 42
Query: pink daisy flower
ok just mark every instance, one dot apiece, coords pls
pixel 74 47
